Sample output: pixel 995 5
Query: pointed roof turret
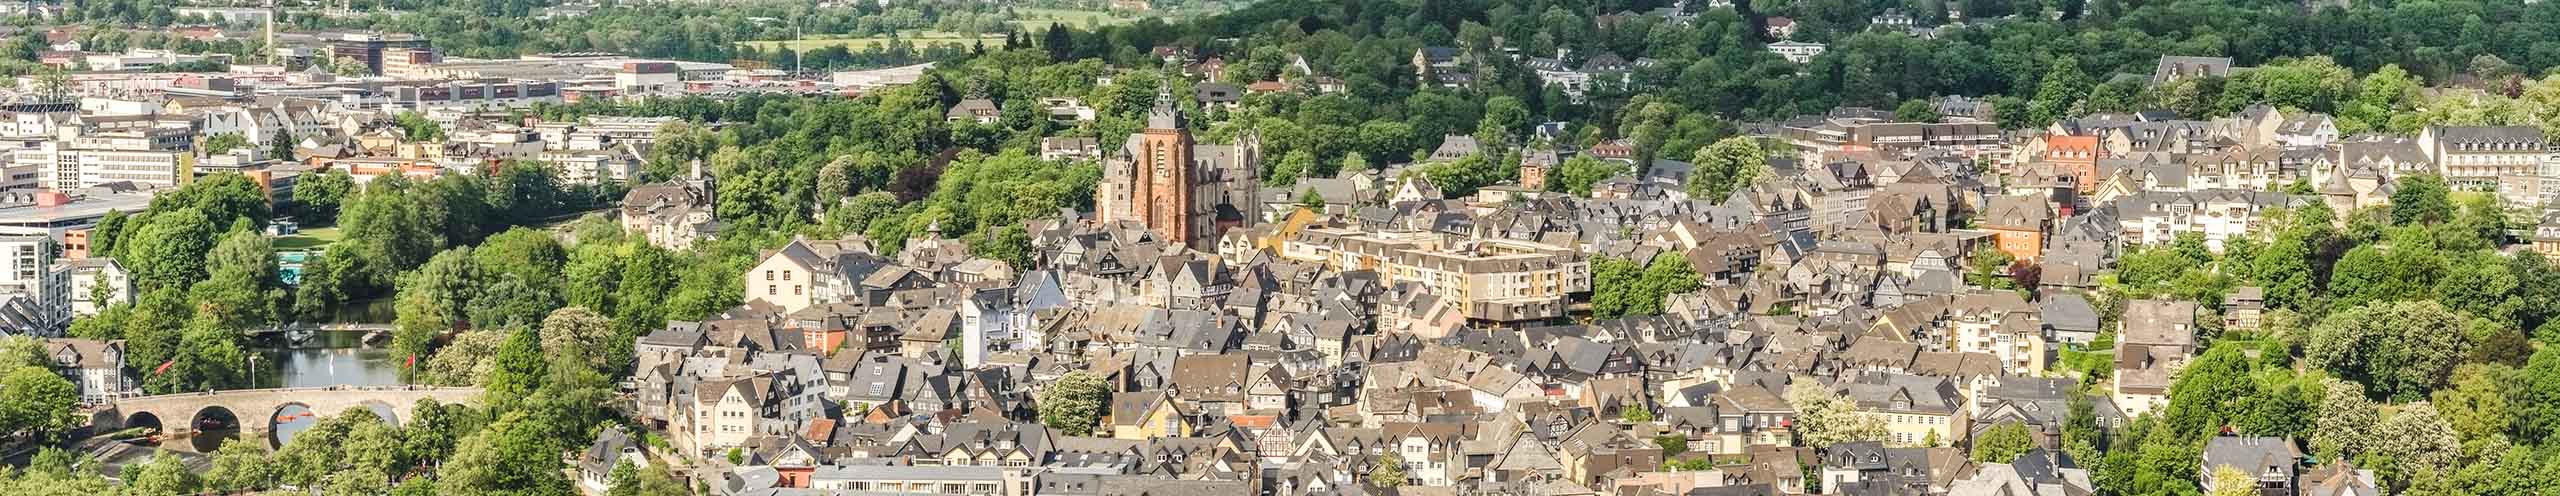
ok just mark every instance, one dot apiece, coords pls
pixel 1166 115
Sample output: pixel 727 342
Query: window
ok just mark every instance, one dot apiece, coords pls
pixel 770 290
pixel 786 275
pixel 795 290
pixel 768 275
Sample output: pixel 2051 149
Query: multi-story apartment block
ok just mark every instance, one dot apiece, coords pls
pixel 97 283
pixel 2160 217
pixel 2002 324
pixel 28 266
pixel 1491 279
pixel 2508 158
pixel 1891 139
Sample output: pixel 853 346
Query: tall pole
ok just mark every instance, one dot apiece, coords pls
pixel 271 32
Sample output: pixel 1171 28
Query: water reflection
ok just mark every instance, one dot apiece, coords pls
pixel 291 420
pixel 213 426
pixel 326 359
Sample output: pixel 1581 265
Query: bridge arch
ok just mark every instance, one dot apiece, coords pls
pixel 389 413
pixel 220 413
pixel 143 419
pixel 284 414
pixel 177 412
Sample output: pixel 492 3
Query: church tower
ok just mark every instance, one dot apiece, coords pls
pixel 1164 182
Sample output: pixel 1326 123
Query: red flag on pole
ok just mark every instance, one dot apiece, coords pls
pixel 164 366
pixel 413 361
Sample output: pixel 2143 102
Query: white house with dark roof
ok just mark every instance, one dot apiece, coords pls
pixel 97 367
pixel 613 446
pixel 806 272
pixel 1798 51
pixel 2505 158
pixel 2274 461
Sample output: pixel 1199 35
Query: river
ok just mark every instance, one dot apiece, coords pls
pixel 326 359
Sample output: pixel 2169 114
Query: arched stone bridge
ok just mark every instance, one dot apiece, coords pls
pixel 256 409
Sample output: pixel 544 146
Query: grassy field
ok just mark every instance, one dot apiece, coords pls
pixel 919 39
pixel 308 239
pixel 1030 20
pixel 1035 20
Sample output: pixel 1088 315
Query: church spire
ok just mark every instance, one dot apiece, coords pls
pixel 1166 115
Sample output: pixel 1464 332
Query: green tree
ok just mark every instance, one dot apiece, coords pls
pixel 1672 445
pixel 282 145
pixel 1825 418
pixel 2347 421
pixel 1615 288
pixel 1635 414
pixel 165 474
pixel 513 300
pixel 507 457
pixel 1623 289
pixel 2476 405
pixel 107 237
pixel 317 197
pixel 223 143
pixel 22 351
pixel 517 371
pixel 1074 404
pixel 2002 443
pixel 574 333
pixel 2058 93
pixel 170 249
pixel 1577 174
pixel 2538 404
pixel 2206 393
pixel 416 128
pixel 2417 440
pixel 652 481
pixel 1727 165
pixel 1503 115
pixel 624 480
pixel 434 429
pixel 2481 286
pixel 239 466
pixel 210 356
pixel 224 199
pixel 2400 350
pixel 435 299
pixel 467 360
pixel 1916 110
pixel 35 402
pixel 2285 268
pixel 1389 473
pixel 241 287
pixel 2419 199
pixel 1988 267
pixel 2280 407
